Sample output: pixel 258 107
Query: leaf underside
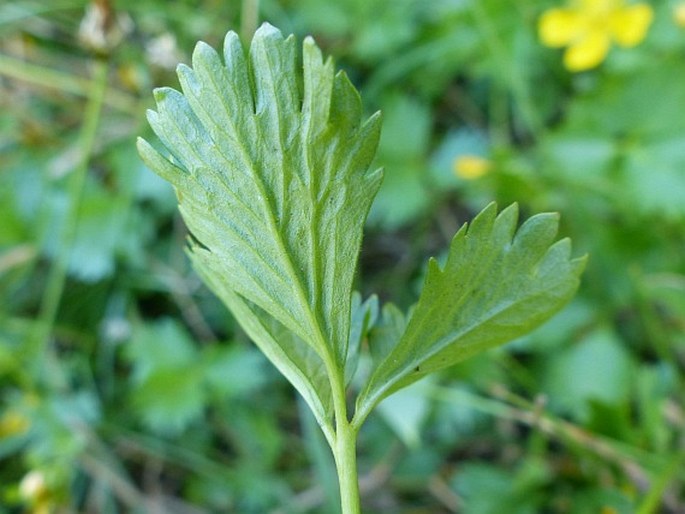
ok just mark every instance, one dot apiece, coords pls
pixel 272 182
pixel 270 166
pixel 497 284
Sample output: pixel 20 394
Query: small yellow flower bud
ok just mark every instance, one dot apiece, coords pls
pixel 13 423
pixel 471 167
pixel 32 487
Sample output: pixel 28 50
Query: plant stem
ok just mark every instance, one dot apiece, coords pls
pixel 511 71
pixel 53 79
pixel 344 443
pixel 345 452
pixel 38 340
pixel 654 498
pixel 249 19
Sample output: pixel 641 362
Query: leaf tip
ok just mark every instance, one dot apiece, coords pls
pixel 201 47
pixel 160 94
pixel 312 55
pixel 433 266
pixel 580 263
pixel 372 126
pixel 484 220
pixel 507 219
pixel 152 117
pixel 141 143
pixel 549 217
pixel 267 31
pixel 493 206
pixel 376 117
pixel 511 208
pixel 203 53
pixel 489 213
pixel 183 71
pixel 231 41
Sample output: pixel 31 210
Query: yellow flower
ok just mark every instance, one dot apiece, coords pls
pixel 679 14
pixel 588 28
pixel 471 167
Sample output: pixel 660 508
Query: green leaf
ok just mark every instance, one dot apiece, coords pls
pixel 406 412
pixel 272 183
pixel 402 152
pixel 233 371
pixel 386 332
pixel 364 317
pixel 497 285
pixel 167 379
pixel 297 361
pixel 169 400
pixel 162 344
pixel 597 368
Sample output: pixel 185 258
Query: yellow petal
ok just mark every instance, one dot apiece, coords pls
pixel 588 52
pixel 560 27
pixel 629 25
pixel 600 7
pixel 471 167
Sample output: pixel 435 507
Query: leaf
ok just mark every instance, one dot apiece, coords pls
pixel 364 317
pixel 167 379
pixel 233 371
pixel 292 357
pixel 101 234
pixel 487 489
pixel 387 331
pixel 496 285
pixel 169 400
pixel 162 344
pixel 597 368
pixel 406 412
pixel 273 184
pixel 402 151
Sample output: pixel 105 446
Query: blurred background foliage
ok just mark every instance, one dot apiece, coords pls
pixel 126 387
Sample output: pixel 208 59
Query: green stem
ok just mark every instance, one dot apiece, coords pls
pixel 511 71
pixel 320 456
pixel 344 443
pixel 345 452
pixel 53 79
pixel 56 280
pixel 249 18
pixel 655 496
pixel 14 12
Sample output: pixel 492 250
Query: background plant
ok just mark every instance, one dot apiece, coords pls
pixel 101 414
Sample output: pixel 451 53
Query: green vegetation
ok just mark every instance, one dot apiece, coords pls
pixel 126 385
